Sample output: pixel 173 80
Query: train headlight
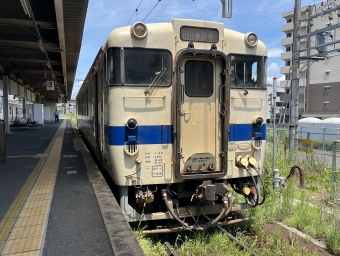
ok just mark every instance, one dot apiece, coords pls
pixel 139 30
pixel 250 39
pixel 258 121
pixel 131 123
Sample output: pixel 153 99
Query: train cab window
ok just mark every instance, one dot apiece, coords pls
pixel 248 70
pixel 146 66
pixel 139 66
pixel 199 78
pixel 113 63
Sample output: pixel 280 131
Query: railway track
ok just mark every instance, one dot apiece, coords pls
pixel 167 242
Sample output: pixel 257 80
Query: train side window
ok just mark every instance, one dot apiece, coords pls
pixel 199 78
pixel 113 66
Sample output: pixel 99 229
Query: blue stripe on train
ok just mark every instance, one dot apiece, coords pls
pixel 162 134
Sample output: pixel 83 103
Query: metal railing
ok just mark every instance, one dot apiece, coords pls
pixel 323 137
pixel 336 170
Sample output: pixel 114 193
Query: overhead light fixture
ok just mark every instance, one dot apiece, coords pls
pixel 41 46
pixel 25 4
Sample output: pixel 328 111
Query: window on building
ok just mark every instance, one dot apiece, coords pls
pixel 287 77
pixel 326 104
pixel 327 88
pixel 289 35
pixel 288 49
pixel 287 63
pixel 289 20
pixel 287 90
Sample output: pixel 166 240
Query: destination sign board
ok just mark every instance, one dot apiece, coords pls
pixel 207 35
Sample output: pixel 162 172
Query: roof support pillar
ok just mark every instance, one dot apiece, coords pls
pixel 6 107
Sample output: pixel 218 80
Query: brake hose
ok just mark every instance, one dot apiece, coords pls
pixel 262 182
pixel 257 191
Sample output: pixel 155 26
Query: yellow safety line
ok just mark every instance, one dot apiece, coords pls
pixel 20 156
pixel 30 209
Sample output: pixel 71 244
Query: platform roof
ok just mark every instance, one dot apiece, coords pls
pixel 59 26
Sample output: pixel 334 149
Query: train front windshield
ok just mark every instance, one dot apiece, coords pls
pixel 248 70
pixel 138 66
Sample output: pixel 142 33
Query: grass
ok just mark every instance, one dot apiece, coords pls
pixel 72 117
pixel 312 213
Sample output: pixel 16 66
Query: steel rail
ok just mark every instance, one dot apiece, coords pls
pixel 234 239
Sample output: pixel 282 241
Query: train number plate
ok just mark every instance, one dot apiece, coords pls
pixel 157 171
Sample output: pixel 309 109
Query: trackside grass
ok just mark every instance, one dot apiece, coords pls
pixel 308 209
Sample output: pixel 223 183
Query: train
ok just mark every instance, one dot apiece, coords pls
pixel 175 113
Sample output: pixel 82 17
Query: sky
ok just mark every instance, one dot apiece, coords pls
pixel 261 17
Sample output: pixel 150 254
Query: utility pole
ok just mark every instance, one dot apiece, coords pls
pixel 274 119
pixel 294 105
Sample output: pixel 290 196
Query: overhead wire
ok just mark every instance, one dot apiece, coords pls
pixel 135 12
pixel 152 10
pixel 162 10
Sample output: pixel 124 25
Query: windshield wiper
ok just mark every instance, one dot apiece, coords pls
pixel 240 82
pixel 155 81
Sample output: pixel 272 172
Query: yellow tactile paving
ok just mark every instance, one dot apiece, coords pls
pixel 31 253
pixel 31 221
pixel 22 245
pixel 4 233
pixel 36 204
pixel 33 211
pixel 39 191
pixel 8 222
pixel 40 155
pixel 28 231
pixel 45 181
pixel 39 197
pixel 27 235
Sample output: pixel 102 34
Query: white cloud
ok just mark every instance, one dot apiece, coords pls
pixel 270 80
pixel 273 67
pixel 275 52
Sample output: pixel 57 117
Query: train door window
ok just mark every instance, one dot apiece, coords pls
pixel 147 66
pixel 113 66
pixel 199 78
pixel 248 71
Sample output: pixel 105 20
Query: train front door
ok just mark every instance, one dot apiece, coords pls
pixel 199 116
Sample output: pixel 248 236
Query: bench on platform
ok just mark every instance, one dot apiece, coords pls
pixel 22 123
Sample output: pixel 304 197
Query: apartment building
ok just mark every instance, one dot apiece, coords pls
pixel 319 85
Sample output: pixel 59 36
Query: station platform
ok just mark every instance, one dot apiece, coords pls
pixel 54 200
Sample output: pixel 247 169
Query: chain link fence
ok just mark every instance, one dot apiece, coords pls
pixel 326 147
pixel 322 137
pixel 336 170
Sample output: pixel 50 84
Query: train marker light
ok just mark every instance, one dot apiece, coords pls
pixel 139 30
pixel 258 121
pixel 131 123
pixel 250 39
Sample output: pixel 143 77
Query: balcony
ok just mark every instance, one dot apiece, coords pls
pixel 286 55
pixel 284 83
pixel 287 41
pixel 284 70
pixel 302 83
pixel 287 27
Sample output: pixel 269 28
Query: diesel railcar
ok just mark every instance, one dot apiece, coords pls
pixel 175 113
